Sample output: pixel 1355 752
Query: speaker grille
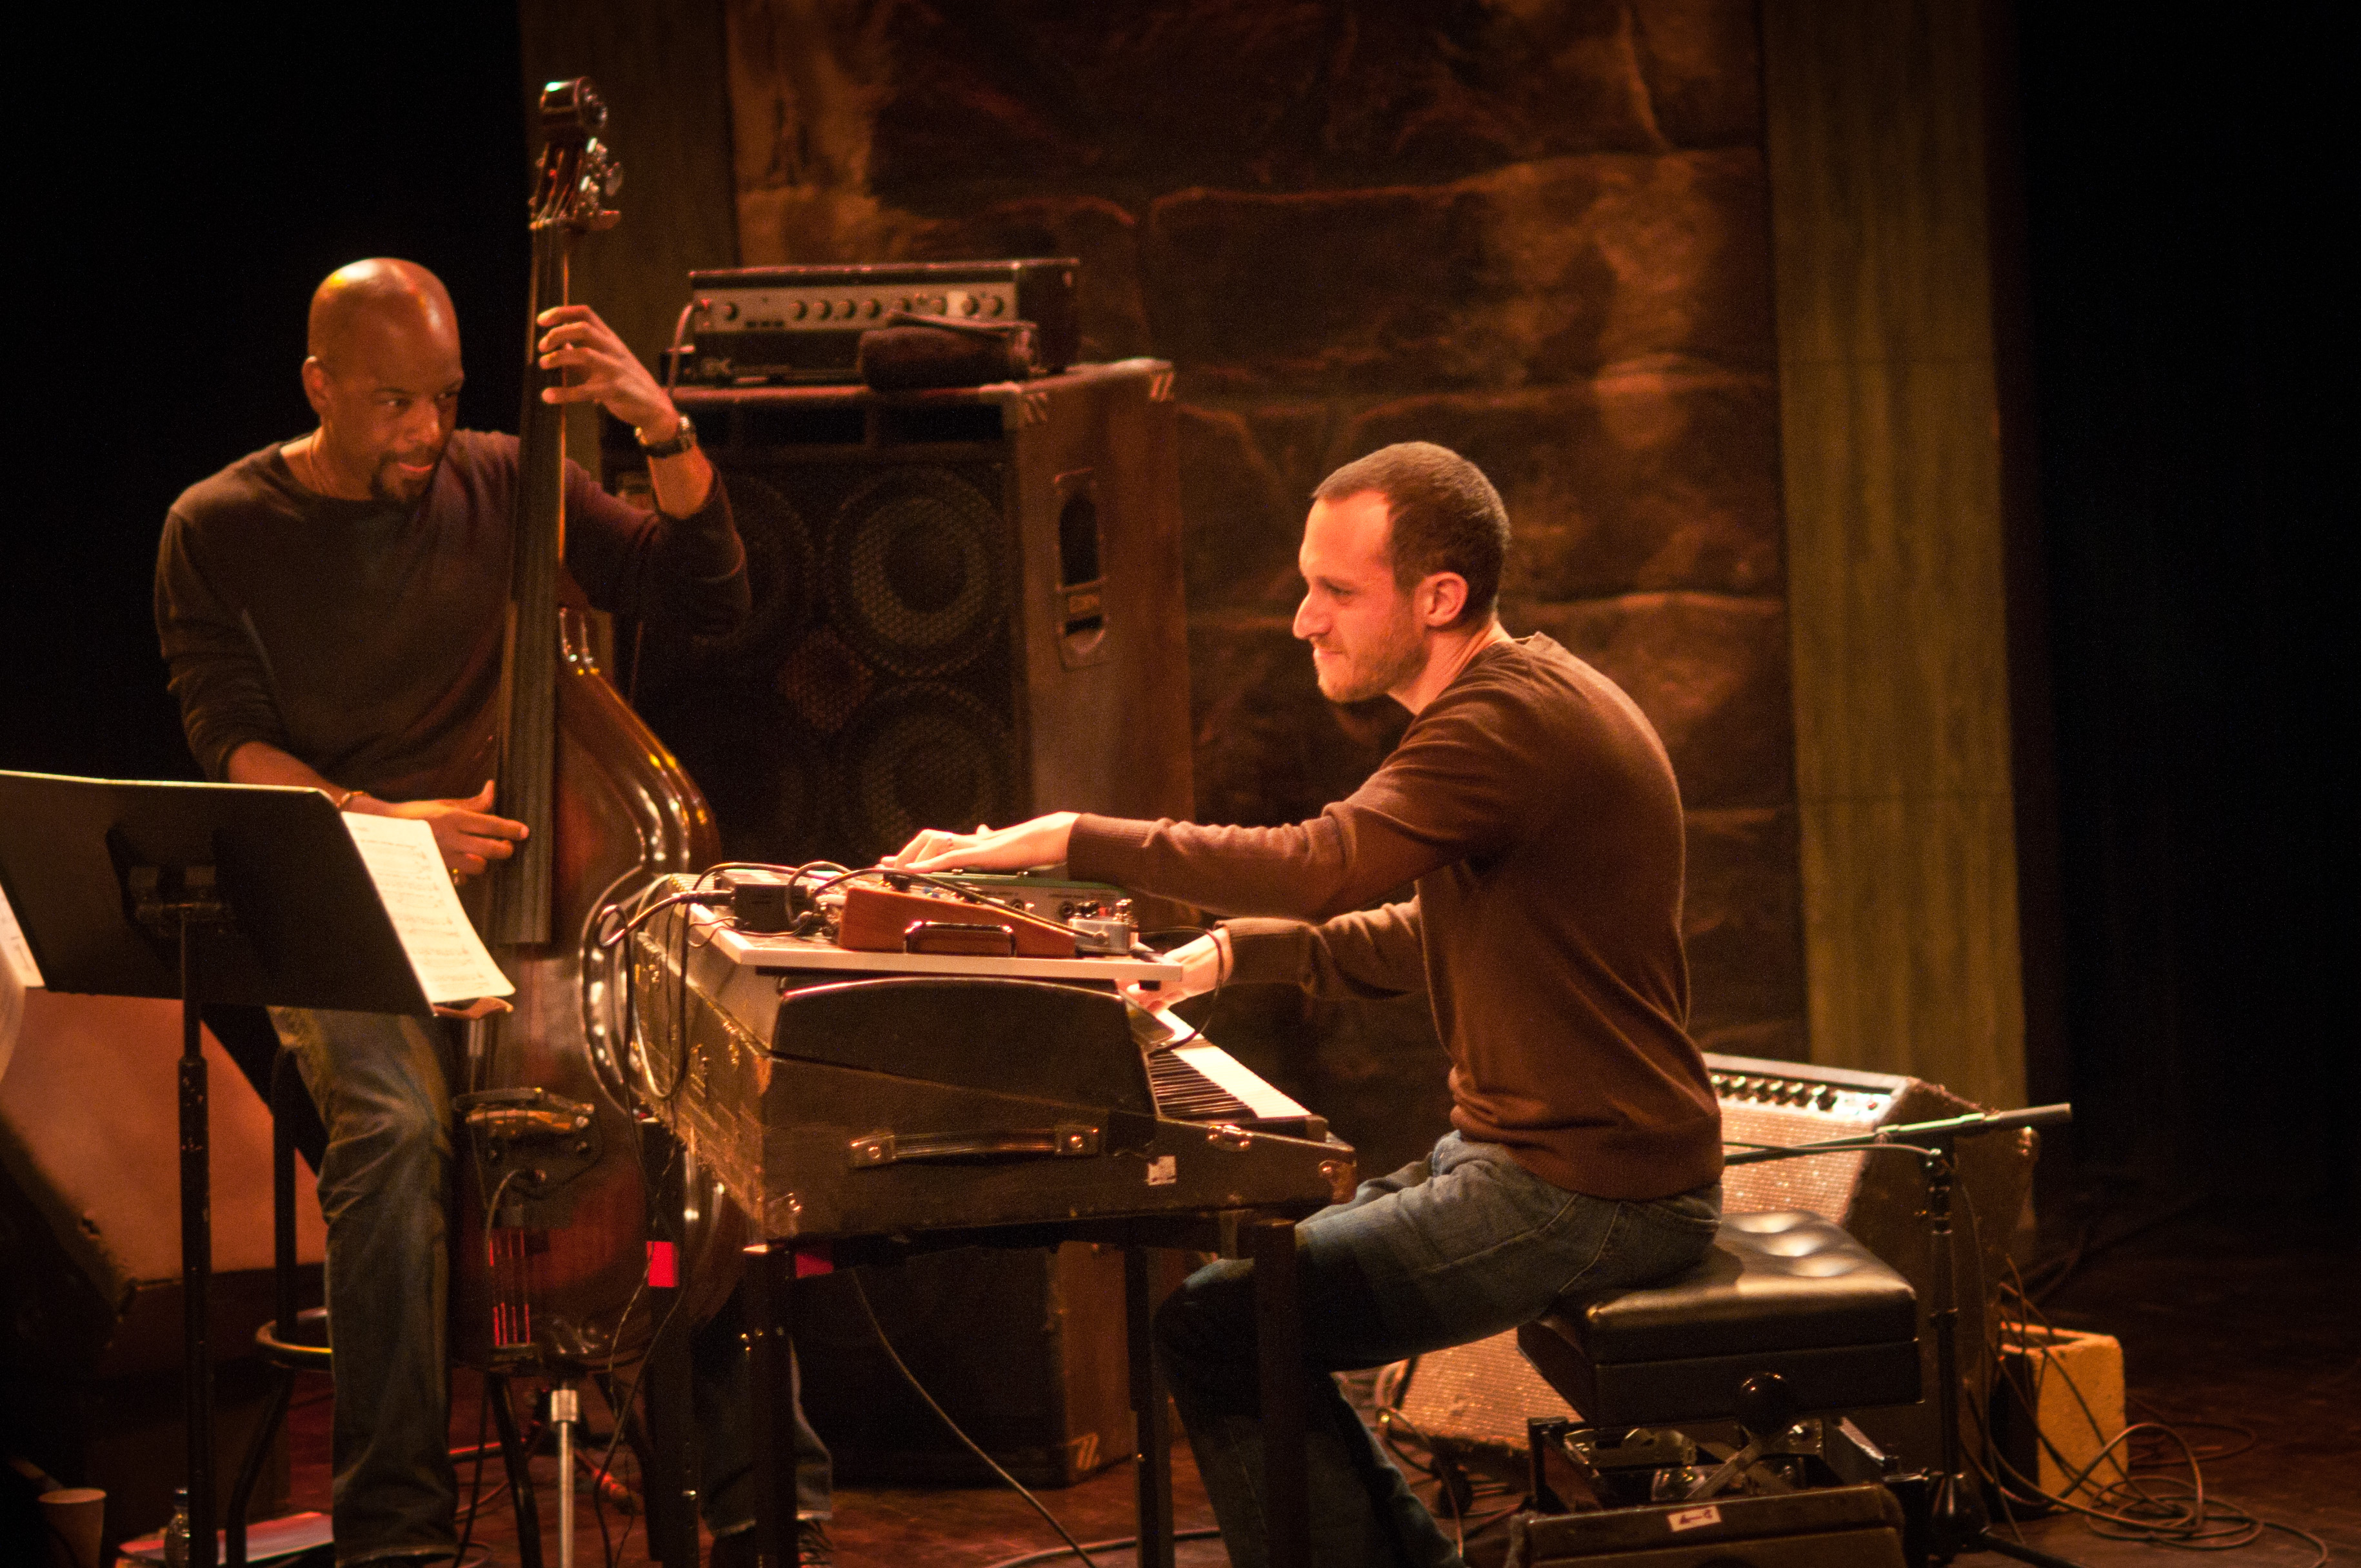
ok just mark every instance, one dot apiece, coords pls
pixel 1475 1395
pixel 873 690
pixel 927 755
pixel 778 572
pixel 916 579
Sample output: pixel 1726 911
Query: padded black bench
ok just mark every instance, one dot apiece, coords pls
pixel 1788 1293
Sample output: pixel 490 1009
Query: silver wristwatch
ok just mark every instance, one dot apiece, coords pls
pixel 680 441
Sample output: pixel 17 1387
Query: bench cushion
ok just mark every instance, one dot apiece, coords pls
pixel 1786 1292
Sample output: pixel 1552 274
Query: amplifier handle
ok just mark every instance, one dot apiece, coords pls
pixel 1067 1140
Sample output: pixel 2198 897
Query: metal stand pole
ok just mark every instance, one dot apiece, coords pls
pixel 565 1409
pixel 519 1465
pixel 196 1254
pixel 1151 1425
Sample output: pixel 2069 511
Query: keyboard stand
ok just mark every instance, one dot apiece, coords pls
pixel 1266 1236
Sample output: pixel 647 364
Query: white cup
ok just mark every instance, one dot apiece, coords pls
pixel 77 1517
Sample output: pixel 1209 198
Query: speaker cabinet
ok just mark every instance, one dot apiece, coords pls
pixel 90 1310
pixel 1023 1347
pixel 967 608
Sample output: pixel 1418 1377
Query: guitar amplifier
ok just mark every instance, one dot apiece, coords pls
pixel 756 325
pixel 1474 1399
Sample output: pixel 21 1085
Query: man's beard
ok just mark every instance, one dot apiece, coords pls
pixel 387 478
pixel 1378 669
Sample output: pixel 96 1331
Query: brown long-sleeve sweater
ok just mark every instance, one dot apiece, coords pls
pixel 1534 808
pixel 365 636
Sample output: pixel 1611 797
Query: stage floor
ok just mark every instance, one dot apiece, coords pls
pixel 2234 1324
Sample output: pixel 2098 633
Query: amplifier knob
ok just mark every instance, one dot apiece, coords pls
pixel 730 311
pixel 802 309
pixel 870 308
pixel 1827 1097
pixel 995 305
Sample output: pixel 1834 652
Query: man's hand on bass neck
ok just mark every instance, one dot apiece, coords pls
pixel 602 370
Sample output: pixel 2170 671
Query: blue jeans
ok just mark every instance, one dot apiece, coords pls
pixel 385 1185
pixel 1458 1246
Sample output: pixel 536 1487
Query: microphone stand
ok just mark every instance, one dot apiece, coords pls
pixel 1956 1522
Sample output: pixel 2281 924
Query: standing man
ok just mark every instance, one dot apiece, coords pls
pixel 1533 807
pixel 332 609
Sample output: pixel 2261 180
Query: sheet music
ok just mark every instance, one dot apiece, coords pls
pixel 14 952
pixel 413 882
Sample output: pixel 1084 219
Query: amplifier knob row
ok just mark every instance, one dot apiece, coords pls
pixel 955 304
pixel 1775 1091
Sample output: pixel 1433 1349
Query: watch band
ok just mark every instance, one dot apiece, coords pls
pixel 680 441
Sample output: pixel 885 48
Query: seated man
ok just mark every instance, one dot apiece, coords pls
pixel 334 610
pixel 1534 809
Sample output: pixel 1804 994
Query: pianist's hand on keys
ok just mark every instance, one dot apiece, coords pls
pixel 1205 964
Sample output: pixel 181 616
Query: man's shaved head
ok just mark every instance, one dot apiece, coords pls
pixel 380 293
pixel 384 378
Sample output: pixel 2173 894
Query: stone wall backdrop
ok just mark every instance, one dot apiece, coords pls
pixel 1533 230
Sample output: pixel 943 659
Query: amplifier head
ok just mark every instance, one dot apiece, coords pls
pixel 752 325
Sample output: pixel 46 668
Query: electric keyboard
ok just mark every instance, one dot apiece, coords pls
pixel 835 1093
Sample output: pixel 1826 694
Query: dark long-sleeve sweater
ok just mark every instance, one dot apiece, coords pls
pixel 1533 807
pixel 365 636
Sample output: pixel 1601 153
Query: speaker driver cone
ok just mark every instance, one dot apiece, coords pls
pixel 778 572
pixel 914 572
pixel 924 756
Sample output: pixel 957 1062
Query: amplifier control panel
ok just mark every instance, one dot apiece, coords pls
pixel 821 308
pixel 754 324
pixel 1837 1101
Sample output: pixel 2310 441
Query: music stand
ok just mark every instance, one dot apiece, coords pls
pixel 208 893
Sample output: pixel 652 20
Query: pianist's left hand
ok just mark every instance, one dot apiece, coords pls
pixel 1040 842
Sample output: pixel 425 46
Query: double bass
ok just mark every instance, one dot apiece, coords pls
pixel 560 1174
